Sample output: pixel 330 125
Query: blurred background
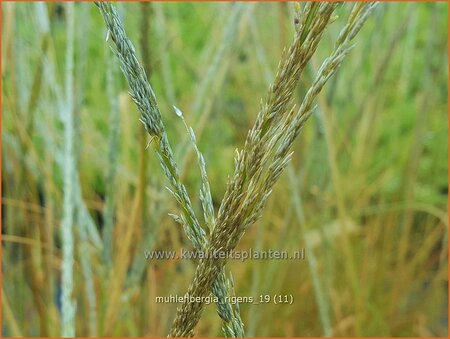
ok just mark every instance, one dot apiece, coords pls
pixel 365 195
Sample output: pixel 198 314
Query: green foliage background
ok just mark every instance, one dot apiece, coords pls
pixel 371 169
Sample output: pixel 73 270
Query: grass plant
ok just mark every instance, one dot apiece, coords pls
pixel 257 166
pixel 364 194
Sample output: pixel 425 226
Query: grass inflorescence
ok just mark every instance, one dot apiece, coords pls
pixel 356 117
pixel 258 165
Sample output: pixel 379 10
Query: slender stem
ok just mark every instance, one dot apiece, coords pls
pixel 68 304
